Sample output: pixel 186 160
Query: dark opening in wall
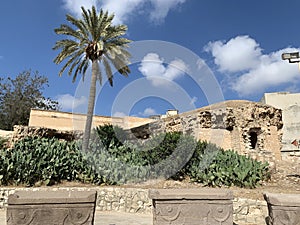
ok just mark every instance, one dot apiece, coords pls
pixel 253 139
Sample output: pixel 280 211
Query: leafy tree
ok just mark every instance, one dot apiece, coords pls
pixel 19 95
pixel 93 39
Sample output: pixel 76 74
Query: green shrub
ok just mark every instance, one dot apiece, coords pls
pixel 3 142
pixel 161 156
pixel 44 160
pixel 110 136
pixel 113 161
pixel 213 166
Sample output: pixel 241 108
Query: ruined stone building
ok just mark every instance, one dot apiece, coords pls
pixel 250 128
pixel 289 103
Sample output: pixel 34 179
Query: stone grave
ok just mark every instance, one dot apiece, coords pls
pixel 284 209
pixel 192 206
pixel 51 207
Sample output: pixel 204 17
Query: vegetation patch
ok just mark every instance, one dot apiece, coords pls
pixel 111 159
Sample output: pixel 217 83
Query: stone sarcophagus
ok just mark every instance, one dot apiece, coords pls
pixel 55 207
pixel 192 206
pixel 284 209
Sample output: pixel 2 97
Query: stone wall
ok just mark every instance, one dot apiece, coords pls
pixel 21 132
pixel 249 211
pixel 131 200
pixel 289 103
pixel 247 127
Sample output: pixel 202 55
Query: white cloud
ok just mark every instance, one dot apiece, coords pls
pixel 240 53
pixel 249 70
pixel 162 8
pixel 153 68
pixel 148 112
pixel 74 7
pixel 193 100
pixel 119 114
pixel 68 102
pixel 124 9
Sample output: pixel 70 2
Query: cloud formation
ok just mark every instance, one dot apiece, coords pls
pixel 148 112
pixel 68 102
pixel 119 114
pixel 157 10
pixel 193 100
pixel 153 68
pixel 249 70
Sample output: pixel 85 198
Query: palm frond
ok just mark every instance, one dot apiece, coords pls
pixel 81 68
pixel 93 37
pixel 108 71
pixel 80 25
pixel 99 75
pixel 69 31
pixel 71 59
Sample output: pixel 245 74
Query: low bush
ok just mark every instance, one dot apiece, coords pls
pixel 3 142
pixel 159 157
pixel 213 166
pixel 114 161
pixel 44 160
pixel 176 155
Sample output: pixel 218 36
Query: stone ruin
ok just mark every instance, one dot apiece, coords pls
pixel 249 128
pixel 21 132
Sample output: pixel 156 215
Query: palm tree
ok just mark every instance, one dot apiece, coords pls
pixel 95 39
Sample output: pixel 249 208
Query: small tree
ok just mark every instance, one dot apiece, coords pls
pixel 18 96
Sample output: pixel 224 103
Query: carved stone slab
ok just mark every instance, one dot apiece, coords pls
pixel 59 207
pixel 192 207
pixel 284 209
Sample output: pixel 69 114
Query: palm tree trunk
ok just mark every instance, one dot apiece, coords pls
pixel 91 106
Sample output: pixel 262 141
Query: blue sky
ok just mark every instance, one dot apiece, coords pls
pixel 201 51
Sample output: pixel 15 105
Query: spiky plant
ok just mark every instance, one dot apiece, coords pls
pixel 93 38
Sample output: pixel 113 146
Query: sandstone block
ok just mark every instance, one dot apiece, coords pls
pixel 51 207
pixel 192 206
pixel 284 209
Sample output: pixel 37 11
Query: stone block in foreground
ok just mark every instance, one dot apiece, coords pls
pixel 284 209
pixel 192 206
pixel 51 207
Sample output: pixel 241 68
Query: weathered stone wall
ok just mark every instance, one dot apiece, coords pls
pixel 247 127
pixel 249 211
pixel 289 103
pixel 131 200
pixel 21 132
